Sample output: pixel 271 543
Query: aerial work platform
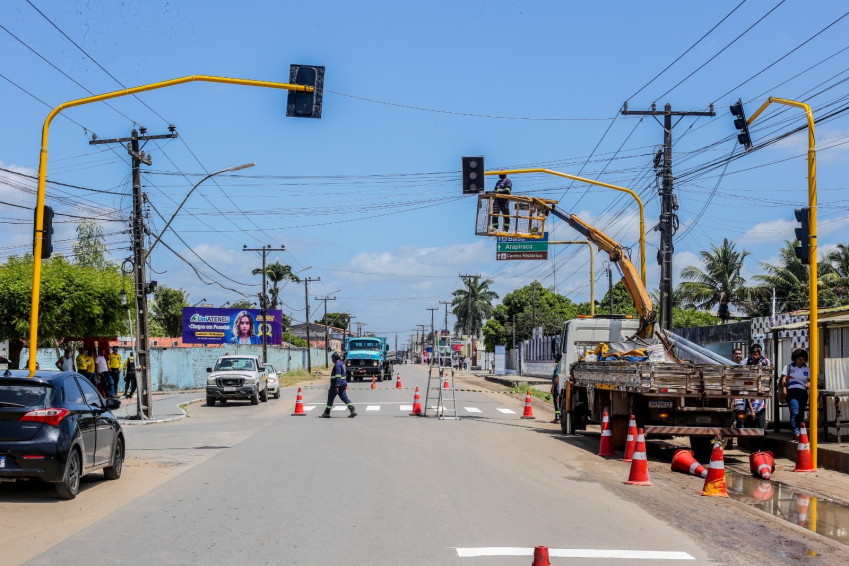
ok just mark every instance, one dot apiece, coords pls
pixel 511 216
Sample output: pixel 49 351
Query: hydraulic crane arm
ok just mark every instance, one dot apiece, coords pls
pixel 633 283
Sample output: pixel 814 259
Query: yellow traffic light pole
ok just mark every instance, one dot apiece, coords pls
pixel 592 268
pixel 813 328
pixel 600 184
pixel 42 173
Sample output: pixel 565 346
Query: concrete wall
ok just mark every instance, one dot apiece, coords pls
pixel 185 368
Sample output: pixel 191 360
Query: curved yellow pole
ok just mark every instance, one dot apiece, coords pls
pixel 813 328
pixel 42 174
pixel 600 184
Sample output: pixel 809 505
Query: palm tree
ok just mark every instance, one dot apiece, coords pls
pixel 790 281
pixel 277 272
pixel 838 278
pixel 472 305
pixel 720 284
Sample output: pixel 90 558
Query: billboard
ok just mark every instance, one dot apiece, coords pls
pixel 231 326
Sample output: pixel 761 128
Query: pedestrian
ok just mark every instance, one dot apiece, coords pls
pixel 338 385
pixel 756 408
pixel 66 362
pixel 114 363
pixel 795 382
pixel 129 376
pixel 102 368
pixel 555 387
pixel 756 358
pixel 82 363
pixel 501 206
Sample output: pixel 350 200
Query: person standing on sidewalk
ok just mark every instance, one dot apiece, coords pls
pixel 338 385
pixel 129 376
pixel 555 388
pixel 795 382
pixel 114 361
pixel 66 362
pixel 104 375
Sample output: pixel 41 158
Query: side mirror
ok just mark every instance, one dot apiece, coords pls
pixel 208 370
pixel 113 404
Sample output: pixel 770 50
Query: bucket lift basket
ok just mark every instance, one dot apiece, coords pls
pixel 522 217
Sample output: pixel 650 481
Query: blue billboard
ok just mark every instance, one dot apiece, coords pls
pixel 231 326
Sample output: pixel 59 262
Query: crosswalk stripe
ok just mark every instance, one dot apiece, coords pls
pixel 373 408
pixel 507 411
pixel 576 553
pixel 406 408
pixel 472 409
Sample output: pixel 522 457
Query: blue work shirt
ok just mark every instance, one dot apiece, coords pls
pixel 337 374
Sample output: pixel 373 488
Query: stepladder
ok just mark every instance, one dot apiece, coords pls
pixel 441 391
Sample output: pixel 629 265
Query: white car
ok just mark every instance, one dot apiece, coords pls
pixel 273 381
pixel 237 377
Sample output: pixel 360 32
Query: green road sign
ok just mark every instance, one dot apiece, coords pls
pixel 526 246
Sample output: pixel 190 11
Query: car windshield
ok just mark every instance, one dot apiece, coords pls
pixel 225 364
pixel 364 345
pixel 36 395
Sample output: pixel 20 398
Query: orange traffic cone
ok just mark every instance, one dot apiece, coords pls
pixel 445 384
pixel 541 556
pixel 762 464
pixel 398 383
pixel 417 405
pixel 373 382
pixel 764 491
pixel 299 405
pixel 639 465
pixel 529 409
pixel 606 446
pixel 684 461
pixel 804 462
pixel 631 441
pixel 715 480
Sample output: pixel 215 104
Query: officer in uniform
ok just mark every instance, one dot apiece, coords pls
pixel 338 385
pixel 499 205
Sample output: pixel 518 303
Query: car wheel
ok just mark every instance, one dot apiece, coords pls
pixel 210 401
pixel 70 484
pixel 277 393
pixel 113 472
pixel 255 398
pixel 264 395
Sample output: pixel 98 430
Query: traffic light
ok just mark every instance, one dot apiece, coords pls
pixel 46 234
pixel 473 176
pixel 305 104
pixel 740 123
pixel 803 234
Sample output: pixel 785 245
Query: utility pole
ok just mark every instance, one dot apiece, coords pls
pixel 446 303
pixel 142 289
pixel 668 224
pixel 263 297
pixel 306 282
pixel 423 339
pixel 432 329
pixel 610 285
pixel 326 343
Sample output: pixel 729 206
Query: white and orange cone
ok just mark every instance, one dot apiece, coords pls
pixel 417 405
pixel 804 461
pixel 541 556
pixel 762 464
pixel 529 408
pixel 299 405
pixel 715 480
pixel 639 474
pixel 684 461
pixel 606 445
pixel 398 382
pixel 631 441
pixel 373 382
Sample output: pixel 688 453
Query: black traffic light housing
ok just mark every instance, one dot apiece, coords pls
pixel 803 234
pixel 305 104
pixel 473 175
pixel 46 234
pixel 740 123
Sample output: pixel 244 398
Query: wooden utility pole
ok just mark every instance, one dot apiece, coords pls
pixel 306 282
pixel 263 297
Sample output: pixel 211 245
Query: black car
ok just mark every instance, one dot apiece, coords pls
pixel 56 427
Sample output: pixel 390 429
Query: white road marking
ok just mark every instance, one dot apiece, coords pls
pixel 406 407
pixel 507 411
pixel 373 408
pixel 310 407
pixel 340 408
pixel 575 553
pixel 472 409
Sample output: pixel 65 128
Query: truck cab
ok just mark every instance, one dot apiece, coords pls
pixel 367 356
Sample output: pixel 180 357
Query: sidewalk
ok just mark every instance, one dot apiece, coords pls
pixel 166 407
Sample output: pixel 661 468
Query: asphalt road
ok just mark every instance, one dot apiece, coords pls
pixel 255 485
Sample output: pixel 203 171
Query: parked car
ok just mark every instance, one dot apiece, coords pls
pixel 273 381
pixel 237 377
pixel 56 427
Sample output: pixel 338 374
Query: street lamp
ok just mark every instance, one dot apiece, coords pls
pixel 167 224
pixel 199 302
pixel 224 305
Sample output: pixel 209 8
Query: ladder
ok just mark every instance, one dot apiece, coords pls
pixel 446 398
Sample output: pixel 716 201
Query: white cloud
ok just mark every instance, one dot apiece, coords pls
pixel 771 231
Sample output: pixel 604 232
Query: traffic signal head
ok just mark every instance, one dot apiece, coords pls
pixel 803 234
pixel 46 233
pixel 473 175
pixel 305 104
pixel 740 123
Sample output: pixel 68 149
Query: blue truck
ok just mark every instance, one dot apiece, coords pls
pixel 367 356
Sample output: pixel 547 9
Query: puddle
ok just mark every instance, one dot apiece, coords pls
pixel 826 518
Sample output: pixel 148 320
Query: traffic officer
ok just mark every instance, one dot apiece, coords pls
pixel 501 206
pixel 114 363
pixel 338 385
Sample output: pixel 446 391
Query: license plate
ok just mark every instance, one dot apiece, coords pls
pixel 660 404
pixel 228 389
pixel 2 461
pixel 703 420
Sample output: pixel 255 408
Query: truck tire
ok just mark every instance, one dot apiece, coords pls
pixel 255 398
pixel 210 401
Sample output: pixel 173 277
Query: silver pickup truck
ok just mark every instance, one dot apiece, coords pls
pixel 237 377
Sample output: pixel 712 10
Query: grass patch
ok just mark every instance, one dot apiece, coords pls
pixel 523 388
pixel 296 376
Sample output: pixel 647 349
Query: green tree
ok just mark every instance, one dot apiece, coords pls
pixel 75 301
pixel 719 284
pixel 790 280
pixel 837 279
pixel 166 309
pixel 90 248
pixel 622 303
pixel 690 318
pixel 336 319
pixel 242 304
pixel 472 304
pixel 276 273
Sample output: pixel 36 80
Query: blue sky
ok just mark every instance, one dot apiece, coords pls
pixel 368 198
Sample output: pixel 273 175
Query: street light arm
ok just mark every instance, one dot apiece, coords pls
pixel 167 224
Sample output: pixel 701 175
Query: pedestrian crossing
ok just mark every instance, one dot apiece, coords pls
pixel 404 408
